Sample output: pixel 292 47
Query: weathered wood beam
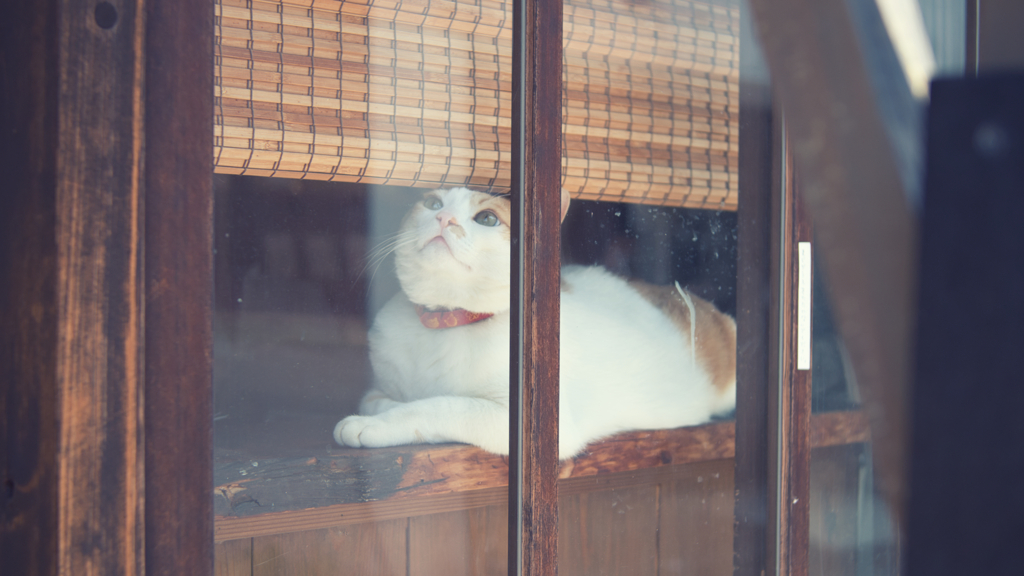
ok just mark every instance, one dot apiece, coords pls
pixel 256 496
pixel 72 383
pixel 179 287
pixel 866 231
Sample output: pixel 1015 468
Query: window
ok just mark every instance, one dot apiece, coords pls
pixel 330 121
pixel 114 261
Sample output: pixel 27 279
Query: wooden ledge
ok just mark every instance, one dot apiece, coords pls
pixel 345 485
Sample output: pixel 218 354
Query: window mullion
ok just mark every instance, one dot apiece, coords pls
pixel 536 176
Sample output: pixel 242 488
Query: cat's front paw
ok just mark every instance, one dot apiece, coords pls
pixel 370 432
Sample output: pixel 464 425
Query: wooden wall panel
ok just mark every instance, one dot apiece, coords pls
pixel 74 117
pixel 233 558
pixel 371 549
pixel 676 520
pixel 467 542
pixel 696 524
pixel 612 532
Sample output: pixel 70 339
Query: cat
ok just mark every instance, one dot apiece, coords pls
pixel 440 348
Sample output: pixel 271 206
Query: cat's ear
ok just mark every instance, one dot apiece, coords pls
pixel 565 203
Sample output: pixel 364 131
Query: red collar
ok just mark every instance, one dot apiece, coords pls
pixel 449 318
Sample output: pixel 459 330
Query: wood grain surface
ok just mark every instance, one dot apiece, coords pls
pixel 179 287
pixel 609 532
pixel 99 288
pixel 75 100
pixel 789 405
pixel 377 548
pixel 536 268
pixel 460 543
pixel 671 519
pixel 29 427
pixel 344 485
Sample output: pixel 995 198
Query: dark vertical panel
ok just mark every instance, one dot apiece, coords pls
pixel 753 307
pixel 536 176
pixel 179 201
pixel 72 274
pixel 971 39
pixel 966 513
pixel 29 430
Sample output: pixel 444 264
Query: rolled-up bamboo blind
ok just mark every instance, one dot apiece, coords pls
pixel 418 93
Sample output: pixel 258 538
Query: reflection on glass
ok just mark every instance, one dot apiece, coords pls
pixel 833 385
pixel 651 138
pixel 851 529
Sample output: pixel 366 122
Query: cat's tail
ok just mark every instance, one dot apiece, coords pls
pixel 693 321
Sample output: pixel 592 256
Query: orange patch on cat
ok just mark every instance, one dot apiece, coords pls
pixel 715 346
pixel 501 207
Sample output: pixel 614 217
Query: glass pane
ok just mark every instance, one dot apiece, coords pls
pixel 333 120
pixel 834 386
pixel 304 270
pixel 649 253
pixel 852 530
pixel 644 499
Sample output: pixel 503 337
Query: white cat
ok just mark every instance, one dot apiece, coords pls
pixel 626 360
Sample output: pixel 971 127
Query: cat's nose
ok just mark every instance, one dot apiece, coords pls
pixel 446 218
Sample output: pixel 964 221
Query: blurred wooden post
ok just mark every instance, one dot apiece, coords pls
pixel 866 231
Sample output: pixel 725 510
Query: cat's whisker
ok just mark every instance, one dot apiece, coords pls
pixel 381 251
pixel 384 256
pixel 384 248
pixel 390 239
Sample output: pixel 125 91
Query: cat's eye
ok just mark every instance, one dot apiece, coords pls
pixel 486 218
pixel 433 203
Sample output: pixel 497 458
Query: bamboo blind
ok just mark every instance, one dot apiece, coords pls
pixel 418 93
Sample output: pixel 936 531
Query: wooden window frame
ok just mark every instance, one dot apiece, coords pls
pixel 536 269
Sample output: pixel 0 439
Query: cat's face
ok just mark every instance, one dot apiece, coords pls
pixel 458 255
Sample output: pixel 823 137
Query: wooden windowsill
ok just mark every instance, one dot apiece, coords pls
pixel 345 485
